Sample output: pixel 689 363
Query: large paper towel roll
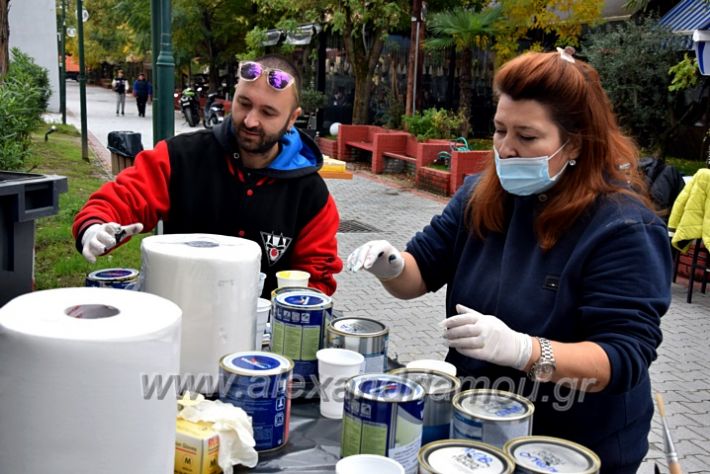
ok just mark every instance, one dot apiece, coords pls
pixel 75 365
pixel 214 280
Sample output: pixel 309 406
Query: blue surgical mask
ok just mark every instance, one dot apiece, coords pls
pixel 526 176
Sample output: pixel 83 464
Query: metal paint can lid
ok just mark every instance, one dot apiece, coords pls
pixel 113 274
pixel 256 363
pixel 543 454
pixel 385 388
pixel 303 298
pixel 463 456
pixel 494 405
pixel 433 381
pixel 358 326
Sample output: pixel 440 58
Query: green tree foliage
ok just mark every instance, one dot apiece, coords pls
pixel 463 29
pixel 362 25
pixel 24 93
pixel 633 60
pixel 530 21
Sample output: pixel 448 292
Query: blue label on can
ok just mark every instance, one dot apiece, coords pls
pixel 383 427
pixel 385 389
pixel 256 362
pixel 297 333
pixel 115 273
pixel 305 299
pixel 264 399
pixel 435 432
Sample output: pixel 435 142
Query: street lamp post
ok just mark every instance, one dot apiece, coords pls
pixel 63 63
pixel 164 123
pixel 82 81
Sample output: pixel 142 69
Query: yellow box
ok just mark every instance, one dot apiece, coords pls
pixel 196 448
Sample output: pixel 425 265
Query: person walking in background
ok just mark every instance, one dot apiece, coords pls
pixel 143 92
pixel 120 84
pixel 253 176
pixel 557 270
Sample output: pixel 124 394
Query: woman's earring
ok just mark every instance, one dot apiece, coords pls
pixel 572 162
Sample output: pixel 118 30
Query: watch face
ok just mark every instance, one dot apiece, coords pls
pixel 543 372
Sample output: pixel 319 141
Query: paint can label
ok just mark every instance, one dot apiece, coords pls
pixel 389 425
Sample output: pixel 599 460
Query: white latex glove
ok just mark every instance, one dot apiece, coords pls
pixel 378 257
pixel 100 238
pixel 485 337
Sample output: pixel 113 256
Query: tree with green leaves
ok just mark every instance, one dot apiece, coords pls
pixel 529 22
pixel 363 26
pixel 633 60
pixel 463 29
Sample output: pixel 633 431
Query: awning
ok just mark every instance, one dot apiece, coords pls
pixel 303 34
pixel 687 16
pixel 272 38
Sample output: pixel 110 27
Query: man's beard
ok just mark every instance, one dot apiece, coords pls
pixel 263 143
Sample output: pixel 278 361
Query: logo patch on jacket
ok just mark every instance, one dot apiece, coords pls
pixel 275 246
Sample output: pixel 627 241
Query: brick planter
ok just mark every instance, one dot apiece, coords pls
pixel 464 163
pixel 433 180
pixel 328 146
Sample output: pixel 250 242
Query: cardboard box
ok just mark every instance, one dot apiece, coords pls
pixel 196 448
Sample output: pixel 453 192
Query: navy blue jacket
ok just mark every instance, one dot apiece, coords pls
pixel 607 280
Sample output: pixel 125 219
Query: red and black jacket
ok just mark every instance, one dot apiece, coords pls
pixel 196 183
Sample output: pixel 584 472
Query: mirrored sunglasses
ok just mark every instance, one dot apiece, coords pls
pixel 276 78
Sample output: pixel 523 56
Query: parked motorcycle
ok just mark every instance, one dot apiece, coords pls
pixel 214 111
pixel 190 106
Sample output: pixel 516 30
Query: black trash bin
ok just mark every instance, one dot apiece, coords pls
pixel 24 197
pixel 124 146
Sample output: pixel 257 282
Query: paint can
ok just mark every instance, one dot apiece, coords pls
pixel 440 389
pixel 383 414
pixel 364 335
pixel 298 319
pixel 463 455
pixel 543 454
pixel 491 416
pixel 120 278
pixel 258 383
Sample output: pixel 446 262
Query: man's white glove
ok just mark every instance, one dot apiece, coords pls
pixel 378 257
pixel 100 238
pixel 485 337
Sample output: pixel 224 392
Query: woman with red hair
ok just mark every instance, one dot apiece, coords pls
pixel 557 269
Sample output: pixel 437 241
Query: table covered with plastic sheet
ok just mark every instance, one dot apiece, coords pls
pixel 313 445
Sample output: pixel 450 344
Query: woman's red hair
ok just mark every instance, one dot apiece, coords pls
pixel 607 161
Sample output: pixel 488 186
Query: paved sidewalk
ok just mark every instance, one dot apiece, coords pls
pixel 681 373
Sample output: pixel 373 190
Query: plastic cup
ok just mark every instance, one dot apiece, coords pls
pixel 433 364
pixel 372 463
pixel 263 306
pixel 288 278
pixel 335 367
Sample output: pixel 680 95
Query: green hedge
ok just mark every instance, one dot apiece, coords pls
pixel 24 94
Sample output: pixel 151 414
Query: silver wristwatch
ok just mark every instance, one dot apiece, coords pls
pixel 544 368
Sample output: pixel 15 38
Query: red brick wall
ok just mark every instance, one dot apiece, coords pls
pixel 328 147
pixel 433 180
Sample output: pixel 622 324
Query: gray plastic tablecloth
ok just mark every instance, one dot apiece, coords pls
pixel 313 445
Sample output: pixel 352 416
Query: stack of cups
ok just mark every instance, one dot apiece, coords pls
pixel 335 367
pixel 291 278
pixel 263 307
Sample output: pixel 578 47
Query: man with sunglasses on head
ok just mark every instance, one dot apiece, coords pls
pixel 254 176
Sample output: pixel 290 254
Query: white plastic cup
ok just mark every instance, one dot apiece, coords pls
pixel 433 364
pixel 368 463
pixel 263 307
pixel 335 367
pixel 287 278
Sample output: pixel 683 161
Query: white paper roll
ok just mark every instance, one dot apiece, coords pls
pixel 214 280
pixel 73 369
